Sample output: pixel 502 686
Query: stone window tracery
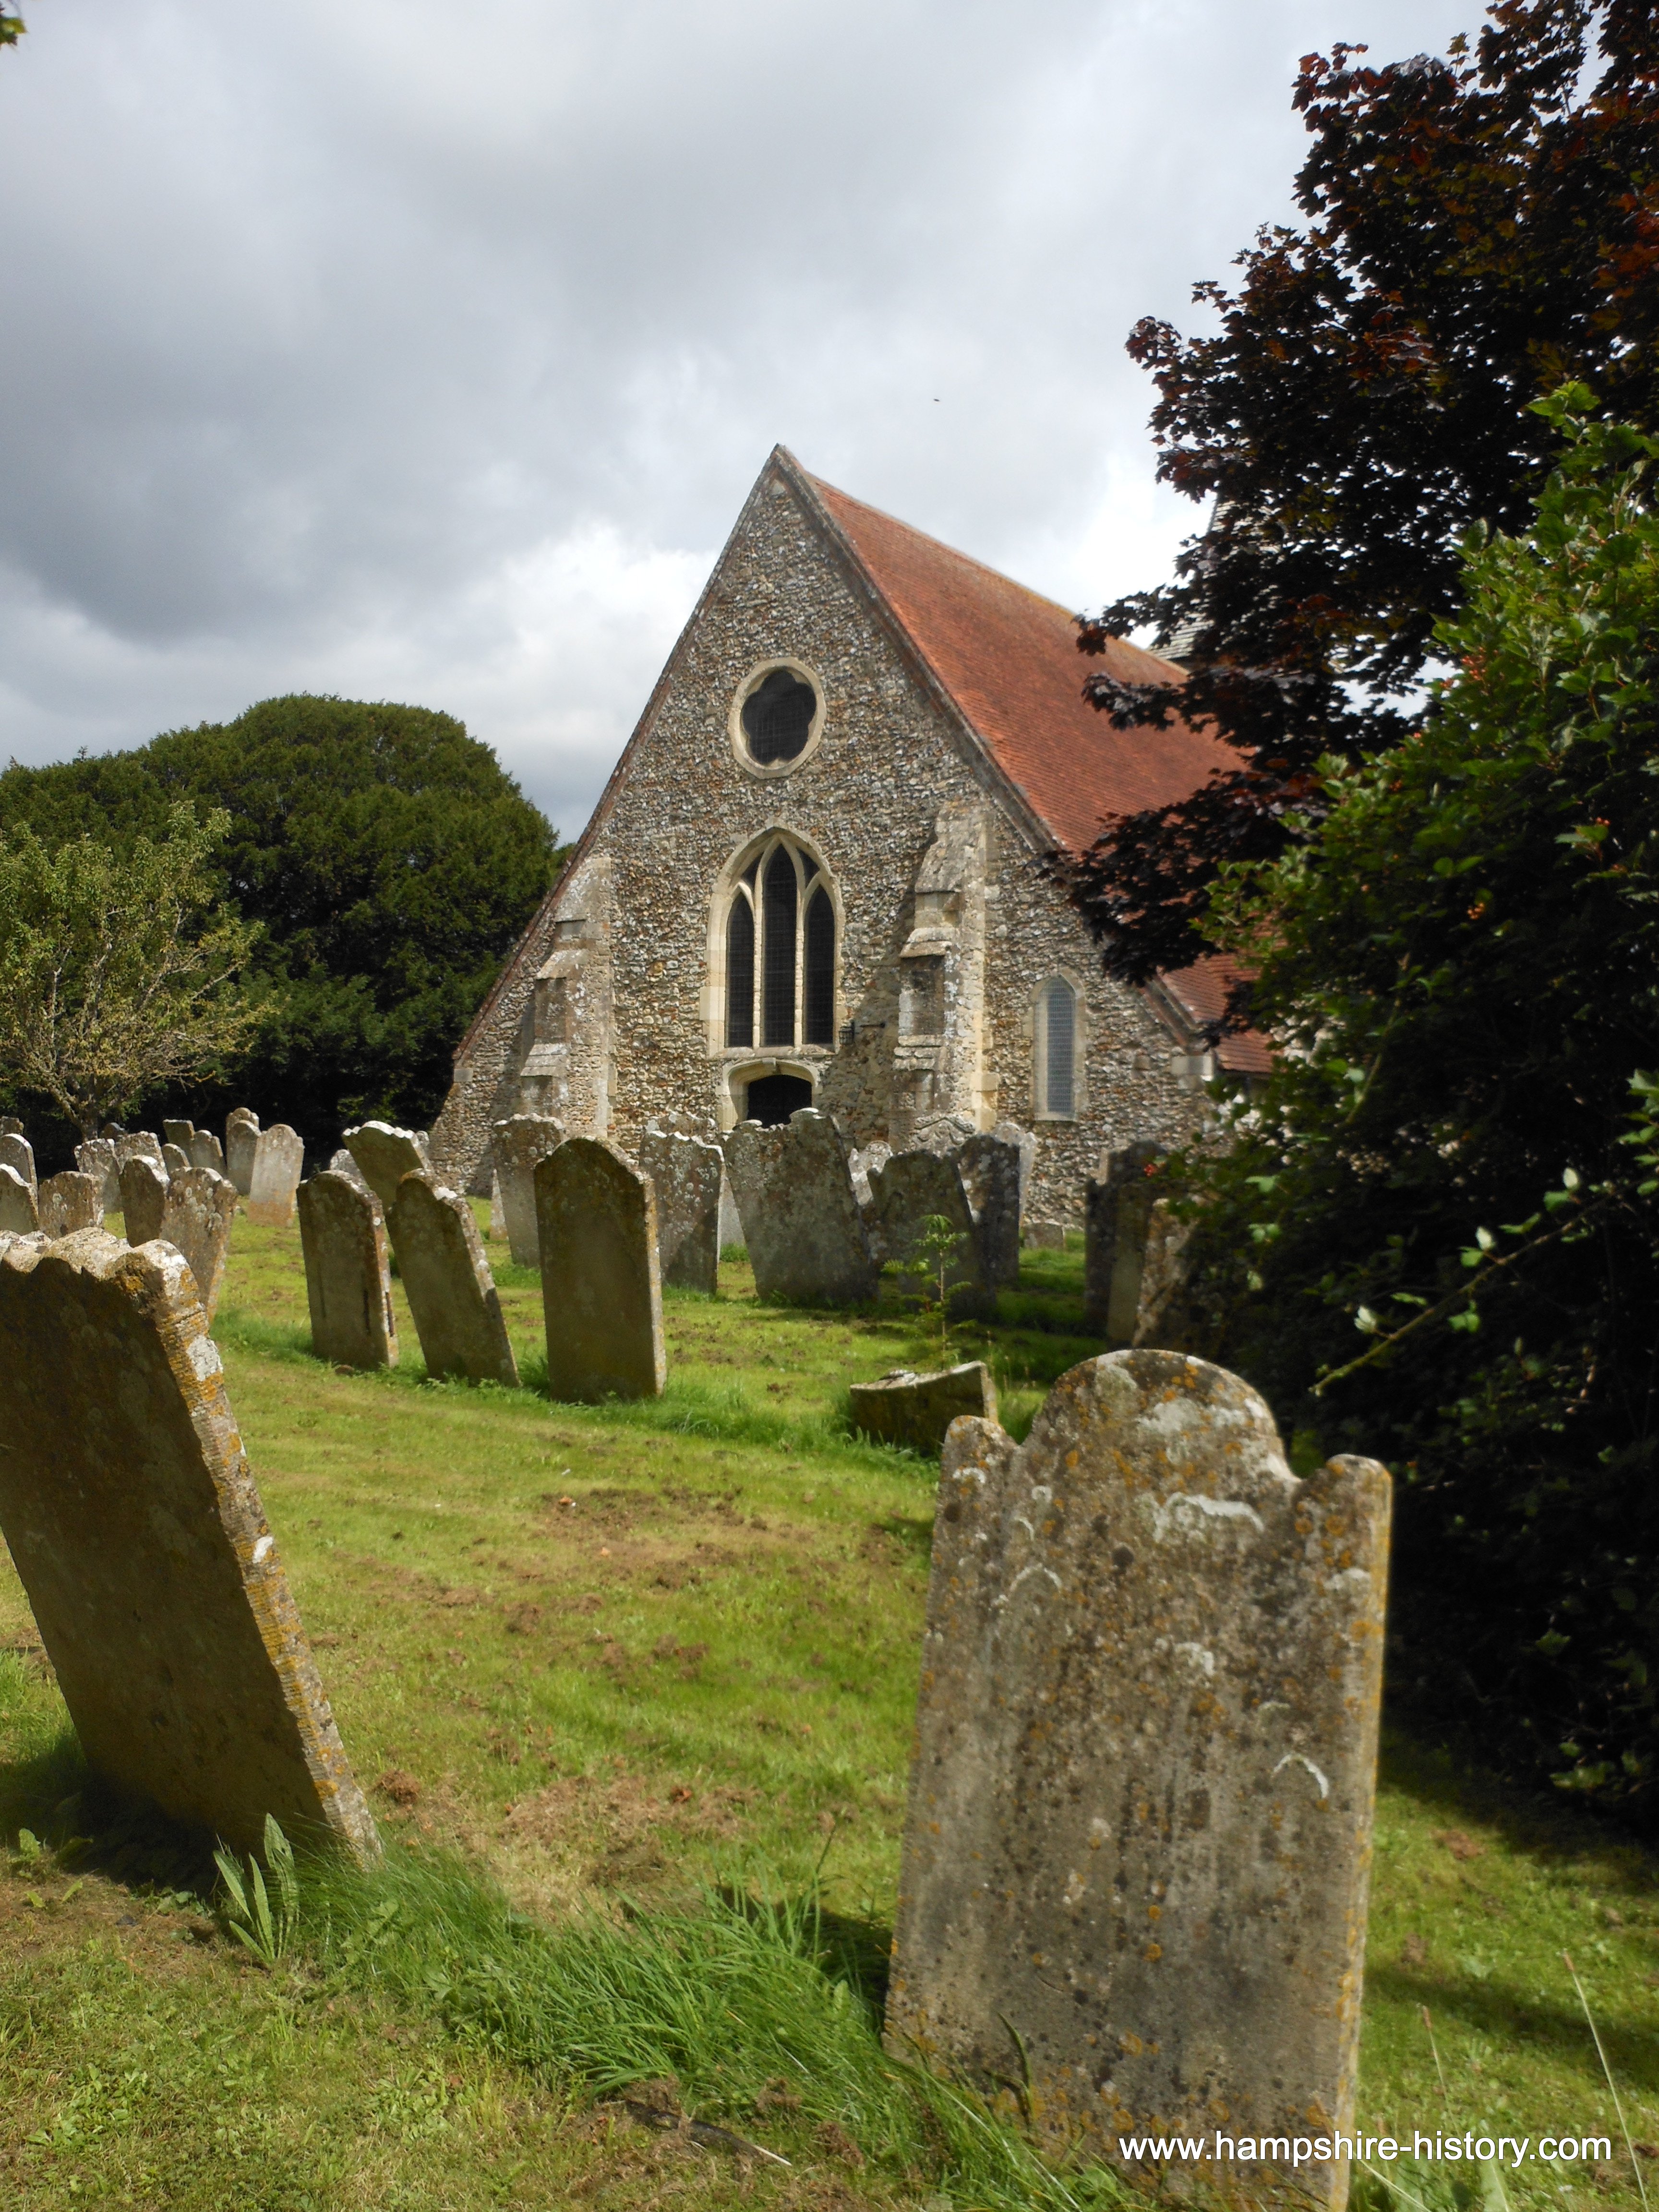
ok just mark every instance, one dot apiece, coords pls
pixel 780 940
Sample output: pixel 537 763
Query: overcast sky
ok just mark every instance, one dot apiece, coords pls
pixel 420 351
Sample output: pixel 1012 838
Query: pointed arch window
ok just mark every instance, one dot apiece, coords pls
pixel 780 951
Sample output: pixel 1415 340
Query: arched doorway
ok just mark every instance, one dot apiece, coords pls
pixel 773 1099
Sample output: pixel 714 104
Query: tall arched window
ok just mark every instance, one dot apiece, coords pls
pixel 1056 1049
pixel 779 935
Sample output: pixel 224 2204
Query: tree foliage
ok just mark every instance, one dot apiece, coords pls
pixel 1478 230
pixel 1436 1237
pixel 118 974
pixel 389 861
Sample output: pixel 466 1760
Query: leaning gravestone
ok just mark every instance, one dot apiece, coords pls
pixel 178 1133
pixel 1137 1841
pixel 19 1214
pixel 910 1192
pixel 18 1154
pixel 96 1158
pixel 447 1279
pixel 1132 1249
pixel 206 1151
pixel 196 1221
pixel 174 1160
pixel 278 1158
pixel 916 1410
pixel 384 1156
pixel 518 1146
pixel 135 1529
pixel 601 1285
pixel 68 1202
pixel 685 1174
pixel 801 1223
pixel 989 1166
pixel 241 1142
pixel 348 1279
pixel 144 1198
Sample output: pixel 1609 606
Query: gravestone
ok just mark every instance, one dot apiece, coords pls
pixel 601 1283
pixel 348 1279
pixel 278 1157
pixel 196 1221
pixel 241 1142
pixel 497 1210
pixel 1132 1249
pixel 1137 1844
pixel 68 1202
pixel 180 1134
pixel 916 1410
pixel 912 1189
pixel 686 1175
pixel 445 1278
pixel 343 1164
pixel 11 1125
pixel 518 1146
pixel 989 1166
pixel 862 1164
pixel 801 1223
pixel 1025 1143
pixel 174 1160
pixel 17 1153
pixel 139 1144
pixel 135 1526
pixel 384 1156
pixel 206 1151
pixel 19 1216
pixel 144 1197
pixel 96 1158
pixel 1044 1235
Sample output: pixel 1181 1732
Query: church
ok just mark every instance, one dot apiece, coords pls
pixel 816 876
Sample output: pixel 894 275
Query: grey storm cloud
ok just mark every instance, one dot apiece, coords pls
pixel 427 353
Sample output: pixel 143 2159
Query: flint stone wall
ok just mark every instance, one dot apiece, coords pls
pixel 279 1156
pixel 914 1411
pixel 518 1144
pixel 601 1287
pixel 447 1279
pixel 1139 1833
pixel 68 1202
pixel 347 1276
pixel 687 1175
pixel 19 1214
pixel 144 1197
pixel 196 1220
pixel 129 1510
pixel 242 1142
pixel 801 1223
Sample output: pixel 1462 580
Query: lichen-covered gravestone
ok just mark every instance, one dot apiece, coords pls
pixel 801 1223
pixel 68 1202
pixel 175 1160
pixel 140 1144
pixel 913 1190
pixel 132 1518
pixel 348 1280
pixel 601 1287
pixel 685 1174
pixel 278 1158
pixel 1137 1843
pixel 241 1142
pixel 18 1154
pixel 385 1155
pixel 518 1146
pixel 144 1197
pixel 916 1410
pixel 196 1221
pixel 447 1279
pixel 206 1151
pixel 96 1158
pixel 19 1214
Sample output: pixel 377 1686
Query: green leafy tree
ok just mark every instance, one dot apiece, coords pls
pixel 119 972
pixel 1433 1238
pixel 389 861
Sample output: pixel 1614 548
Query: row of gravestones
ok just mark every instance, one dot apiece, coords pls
pixel 1137 1843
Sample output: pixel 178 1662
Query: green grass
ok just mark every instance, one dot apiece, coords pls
pixel 601 1668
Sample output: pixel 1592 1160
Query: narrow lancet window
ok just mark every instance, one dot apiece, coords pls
pixel 1058 1048
pixel 778 942
pixel 819 964
pixel 740 973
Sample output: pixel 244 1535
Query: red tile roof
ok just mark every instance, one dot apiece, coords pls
pixel 1008 657
pixel 1200 992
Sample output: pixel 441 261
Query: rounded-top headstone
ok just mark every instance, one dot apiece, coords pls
pixel 385 1155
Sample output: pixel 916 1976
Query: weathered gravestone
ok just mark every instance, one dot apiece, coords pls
pixel 916 1410
pixel 1132 1247
pixel 447 1279
pixel 1044 1235
pixel 11 1125
pixel 1138 1842
pixel 144 1197
pixel 130 1511
pixel 279 1156
pixel 17 1153
pixel 19 1214
pixel 174 1160
pixel 601 1284
pixel 384 1156
pixel 801 1223
pixel 206 1151
pixel 180 1134
pixel 518 1146
pixel 241 1142
pixel 989 1166
pixel 913 1190
pixel 686 1173
pixel 96 1158
pixel 1025 1143
pixel 196 1220
pixel 138 1144
pixel 348 1280
pixel 68 1202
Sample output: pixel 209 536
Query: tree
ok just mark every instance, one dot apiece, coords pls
pixel 1478 231
pixel 390 863
pixel 1433 1238
pixel 118 973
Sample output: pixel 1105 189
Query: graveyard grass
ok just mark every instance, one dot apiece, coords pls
pixel 650 1671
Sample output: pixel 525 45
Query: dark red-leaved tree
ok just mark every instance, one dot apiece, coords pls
pixel 1479 228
